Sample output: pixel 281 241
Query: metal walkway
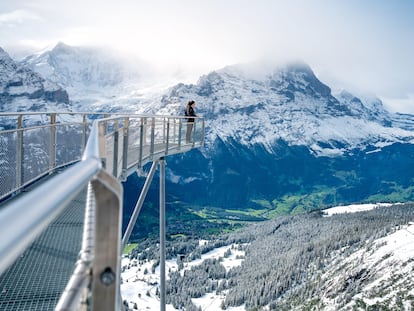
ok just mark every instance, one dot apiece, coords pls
pixel 38 277
pixel 61 237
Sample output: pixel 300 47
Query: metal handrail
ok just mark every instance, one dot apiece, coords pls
pixel 19 178
pixel 98 265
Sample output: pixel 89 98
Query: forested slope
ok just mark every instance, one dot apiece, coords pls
pixel 298 262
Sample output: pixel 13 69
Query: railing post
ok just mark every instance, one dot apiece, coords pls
pixel 180 127
pixel 202 132
pixel 167 138
pixel 52 156
pixel 105 122
pixel 163 130
pixel 106 264
pixel 102 142
pixel 116 148
pixel 141 141
pixel 19 152
pixel 84 132
pixel 194 132
pixel 125 149
pixel 174 130
pixel 152 136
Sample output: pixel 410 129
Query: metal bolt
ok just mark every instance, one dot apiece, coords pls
pixel 107 276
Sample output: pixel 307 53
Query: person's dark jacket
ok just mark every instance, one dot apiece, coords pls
pixel 190 112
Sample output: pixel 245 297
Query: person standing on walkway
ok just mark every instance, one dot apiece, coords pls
pixel 189 112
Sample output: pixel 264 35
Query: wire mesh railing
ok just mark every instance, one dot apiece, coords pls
pixel 33 145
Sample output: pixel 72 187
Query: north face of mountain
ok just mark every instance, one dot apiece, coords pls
pixel 22 89
pixel 288 104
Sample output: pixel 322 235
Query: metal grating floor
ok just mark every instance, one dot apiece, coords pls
pixel 37 279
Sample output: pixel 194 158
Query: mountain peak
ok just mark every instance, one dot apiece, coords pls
pixel 299 77
pixel 77 67
pixel 61 47
pixel 299 66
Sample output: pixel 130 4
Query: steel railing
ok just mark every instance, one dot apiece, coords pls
pixel 53 140
pixel 117 146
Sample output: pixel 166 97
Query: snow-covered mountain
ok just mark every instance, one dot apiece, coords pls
pixel 271 131
pixel 77 67
pixel 22 89
pixel 98 79
pixel 251 103
pixel 291 104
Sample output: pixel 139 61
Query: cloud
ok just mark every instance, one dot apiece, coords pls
pixel 403 105
pixel 349 44
pixel 17 17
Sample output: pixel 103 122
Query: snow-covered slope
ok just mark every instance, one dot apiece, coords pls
pixel 99 79
pixel 139 285
pixel 22 89
pixel 373 274
pixel 287 103
pixel 382 271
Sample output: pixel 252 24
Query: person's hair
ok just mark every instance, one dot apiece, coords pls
pixel 191 102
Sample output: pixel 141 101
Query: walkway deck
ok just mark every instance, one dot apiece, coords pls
pixel 37 279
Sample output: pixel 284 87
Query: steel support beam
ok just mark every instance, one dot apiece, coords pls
pixel 139 204
pixel 162 234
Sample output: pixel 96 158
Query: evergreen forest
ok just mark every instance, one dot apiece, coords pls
pixel 284 263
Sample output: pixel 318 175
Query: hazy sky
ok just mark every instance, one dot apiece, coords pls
pixel 360 45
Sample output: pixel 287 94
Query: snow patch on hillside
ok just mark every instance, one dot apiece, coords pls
pixel 354 208
pixel 383 266
pixel 139 284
